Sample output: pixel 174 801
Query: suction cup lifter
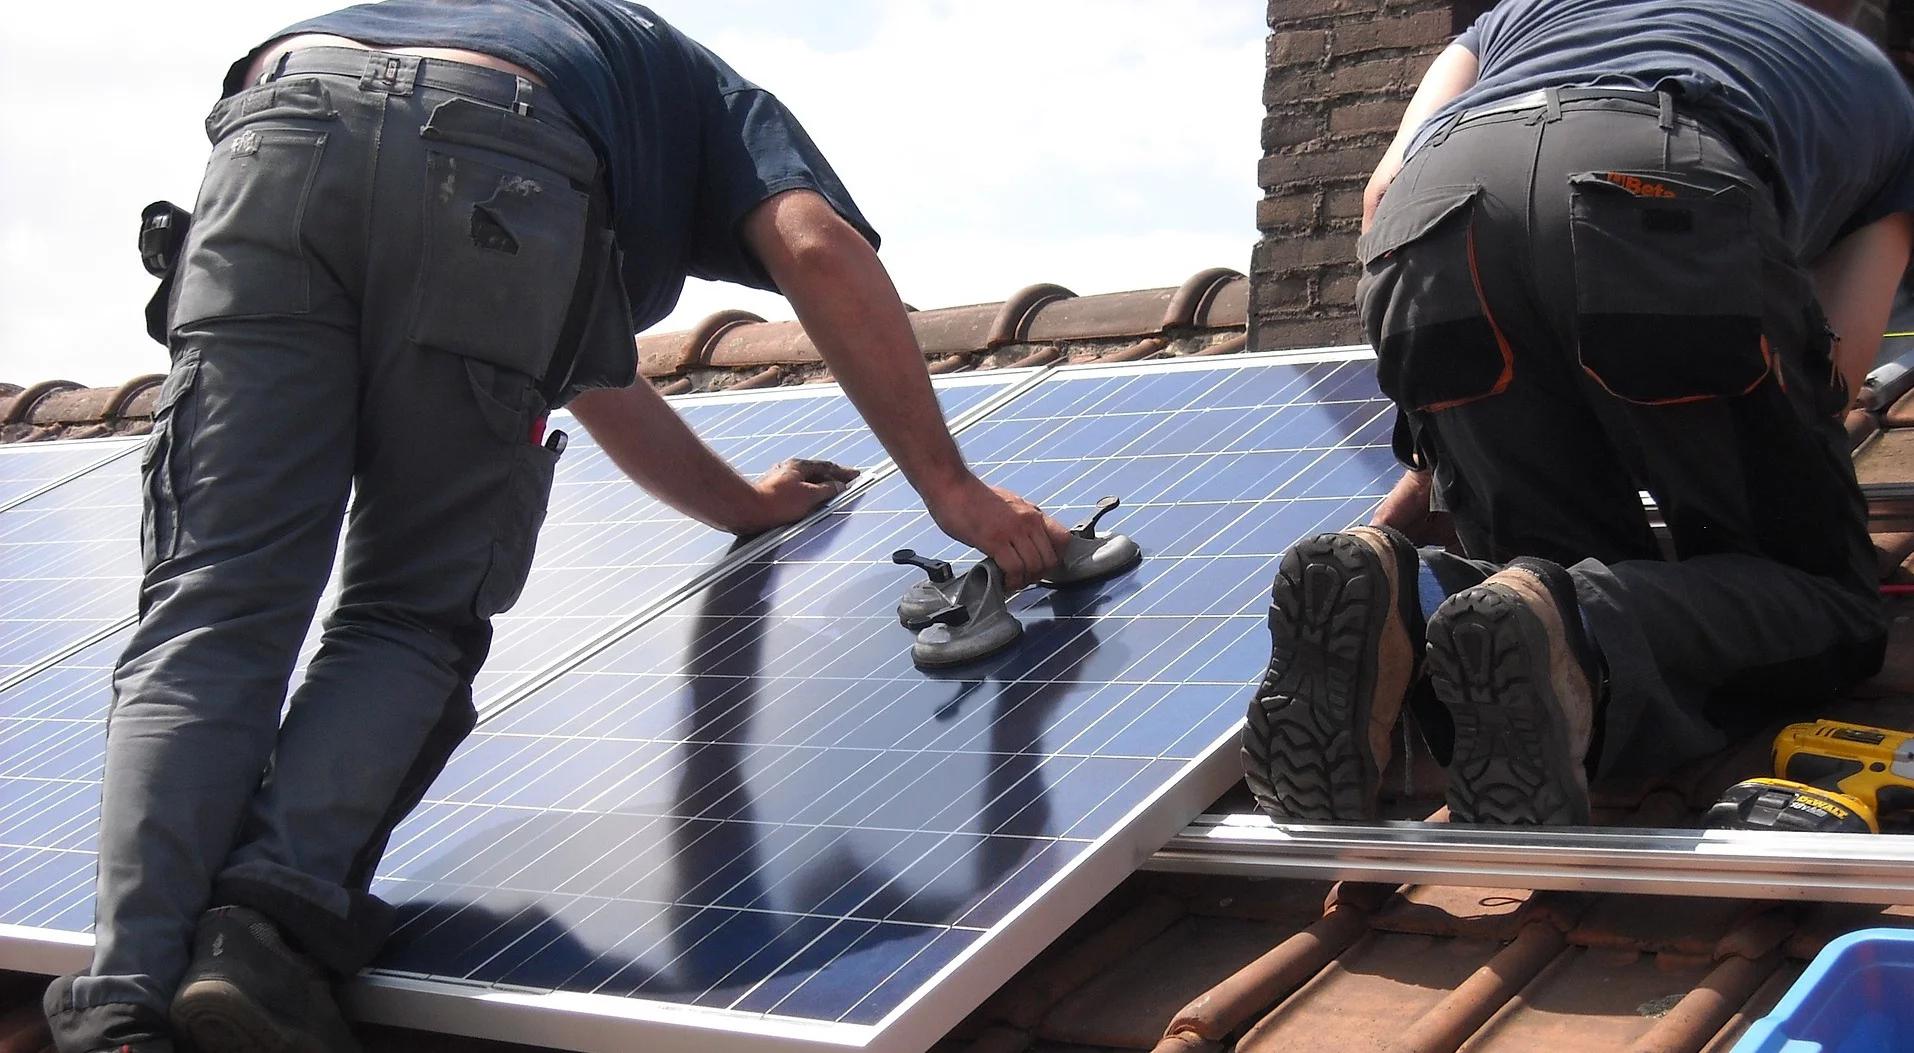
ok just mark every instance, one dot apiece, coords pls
pixel 973 625
pixel 1092 557
pixel 924 598
pixel 961 619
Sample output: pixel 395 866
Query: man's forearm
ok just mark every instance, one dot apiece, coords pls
pixel 1452 73
pixel 1855 281
pixel 852 313
pixel 653 445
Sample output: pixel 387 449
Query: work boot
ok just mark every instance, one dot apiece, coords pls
pixel 248 992
pixel 1513 664
pixel 1346 643
pixel 116 1027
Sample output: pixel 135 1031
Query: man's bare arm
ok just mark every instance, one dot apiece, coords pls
pixel 1855 280
pixel 851 311
pixel 649 442
pixel 1452 73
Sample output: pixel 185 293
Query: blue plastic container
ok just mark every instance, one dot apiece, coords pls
pixel 1857 996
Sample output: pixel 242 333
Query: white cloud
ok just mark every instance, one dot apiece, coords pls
pixel 1099 144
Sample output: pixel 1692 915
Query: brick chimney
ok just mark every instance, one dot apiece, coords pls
pixel 1339 74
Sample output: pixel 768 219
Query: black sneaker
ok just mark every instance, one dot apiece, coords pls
pixel 248 992
pixel 1511 662
pixel 116 1027
pixel 1346 645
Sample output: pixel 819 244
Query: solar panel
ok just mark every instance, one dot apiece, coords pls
pixel 748 815
pixel 71 571
pixel 751 816
pixel 28 467
pixel 52 745
pixel 69 564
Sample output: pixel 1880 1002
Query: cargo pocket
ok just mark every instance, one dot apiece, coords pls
pixel 167 460
pixel 245 253
pixel 515 535
pixel 504 236
pixel 1437 344
pixel 1667 288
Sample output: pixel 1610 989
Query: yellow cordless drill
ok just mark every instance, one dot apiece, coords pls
pixel 1830 777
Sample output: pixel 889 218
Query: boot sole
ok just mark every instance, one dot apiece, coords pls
pixel 1306 754
pixel 219 1018
pixel 1488 659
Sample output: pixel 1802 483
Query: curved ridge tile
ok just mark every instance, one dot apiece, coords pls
pixel 1103 316
pixel 23 404
pixel 1011 325
pixel 1190 304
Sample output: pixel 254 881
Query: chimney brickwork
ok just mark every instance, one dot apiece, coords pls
pixel 1339 73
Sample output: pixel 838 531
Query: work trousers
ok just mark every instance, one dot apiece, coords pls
pixel 383 268
pixel 1583 298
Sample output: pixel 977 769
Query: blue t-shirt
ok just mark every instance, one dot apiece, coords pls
pixel 689 146
pixel 1827 107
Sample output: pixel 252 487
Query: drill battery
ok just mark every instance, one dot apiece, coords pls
pixel 1780 804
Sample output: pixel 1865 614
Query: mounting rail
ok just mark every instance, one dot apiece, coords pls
pixel 1832 868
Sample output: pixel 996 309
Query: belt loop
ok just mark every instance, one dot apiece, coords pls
pixel 1441 134
pixel 277 69
pixel 1553 112
pixel 389 73
pixel 1667 111
pixel 522 96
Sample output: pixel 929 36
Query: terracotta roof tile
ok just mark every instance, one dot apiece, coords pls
pixel 1360 1001
pixel 1238 999
pixel 1478 913
pixel 1681 924
pixel 1127 1003
pixel 1093 317
pixel 1477 999
pixel 1590 1000
pixel 954 330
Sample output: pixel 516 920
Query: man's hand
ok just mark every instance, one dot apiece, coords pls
pixel 1024 542
pixel 1407 509
pixel 1379 181
pixel 790 491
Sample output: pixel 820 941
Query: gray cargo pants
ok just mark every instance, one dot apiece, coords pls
pixel 381 279
pixel 1588 296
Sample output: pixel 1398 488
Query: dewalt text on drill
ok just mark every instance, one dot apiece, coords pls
pixel 1830 777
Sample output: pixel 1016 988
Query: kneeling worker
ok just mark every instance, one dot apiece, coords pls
pixel 1635 245
pixel 406 252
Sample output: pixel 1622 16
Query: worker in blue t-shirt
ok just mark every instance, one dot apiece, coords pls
pixel 424 225
pixel 1617 246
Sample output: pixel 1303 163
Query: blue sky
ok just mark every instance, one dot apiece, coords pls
pixel 1100 144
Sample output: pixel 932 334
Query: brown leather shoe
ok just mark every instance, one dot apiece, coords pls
pixel 1511 661
pixel 1346 640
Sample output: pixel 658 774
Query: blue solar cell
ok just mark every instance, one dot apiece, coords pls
pixel 69 563
pixel 26 467
pixel 766 749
